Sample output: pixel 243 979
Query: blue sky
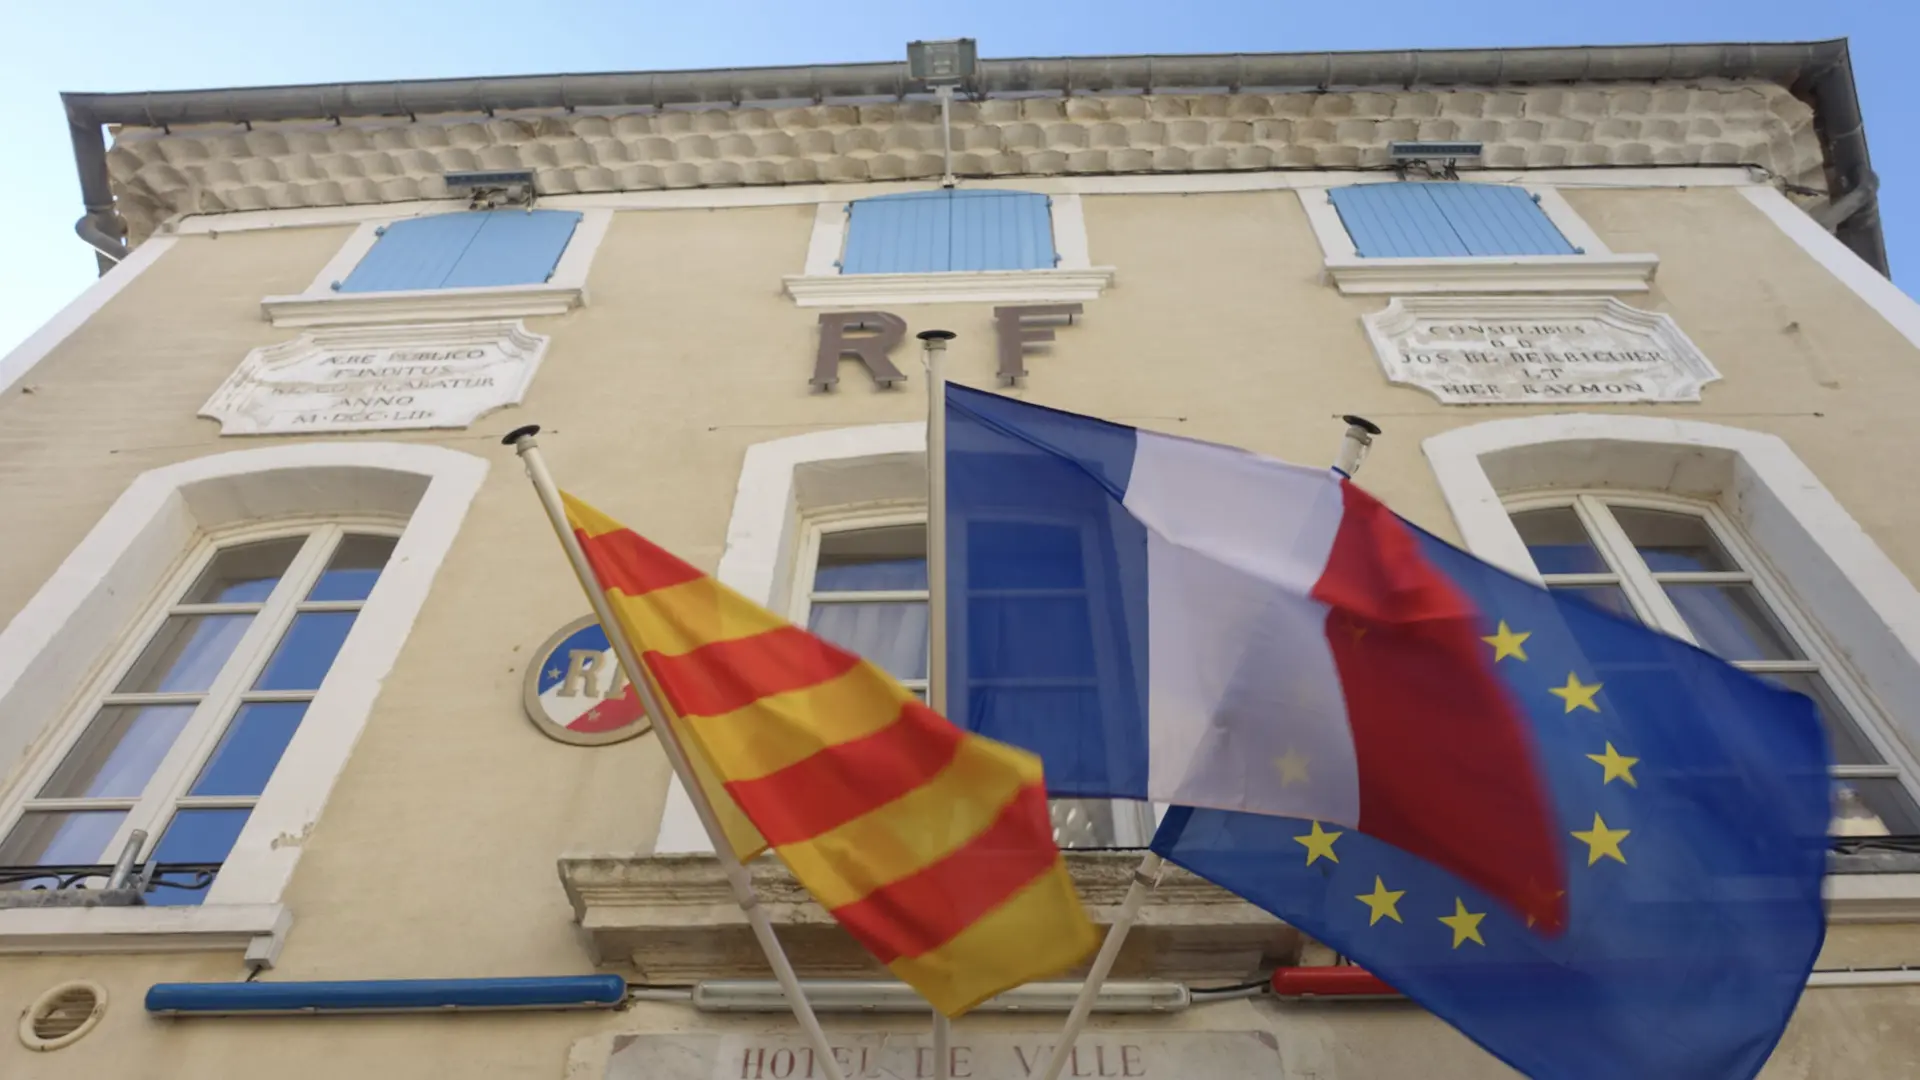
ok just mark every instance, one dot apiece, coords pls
pixel 120 45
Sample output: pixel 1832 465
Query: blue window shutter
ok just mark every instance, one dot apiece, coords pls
pixel 1395 221
pixel 1495 219
pixel 1421 220
pixel 1001 230
pixel 514 247
pixel 898 234
pixel 417 253
pixel 462 250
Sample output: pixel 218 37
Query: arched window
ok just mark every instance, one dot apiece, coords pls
pixel 830 527
pixel 1725 538
pixel 1682 567
pixel 196 714
pixel 198 669
pixel 861 583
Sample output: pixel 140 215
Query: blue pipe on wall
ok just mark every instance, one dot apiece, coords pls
pixel 385 996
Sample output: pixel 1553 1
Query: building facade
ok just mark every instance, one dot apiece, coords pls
pixel 280 612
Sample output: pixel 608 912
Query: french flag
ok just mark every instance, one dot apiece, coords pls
pixel 1171 620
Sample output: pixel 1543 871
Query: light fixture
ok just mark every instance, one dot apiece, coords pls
pixel 498 187
pixel 879 996
pixel 1433 158
pixel 943 65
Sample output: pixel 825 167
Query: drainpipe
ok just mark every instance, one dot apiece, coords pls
pixel 101 228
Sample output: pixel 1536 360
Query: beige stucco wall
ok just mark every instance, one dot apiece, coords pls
pixel 435 855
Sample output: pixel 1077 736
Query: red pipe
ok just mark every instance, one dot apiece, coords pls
pixel 1343 980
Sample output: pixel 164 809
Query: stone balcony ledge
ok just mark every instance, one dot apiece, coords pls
pixel 672 919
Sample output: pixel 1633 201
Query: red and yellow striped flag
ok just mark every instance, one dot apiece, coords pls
pixel 932 846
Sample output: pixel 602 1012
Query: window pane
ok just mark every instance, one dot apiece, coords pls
pixel 118 752
pixel 1082 823
pixel 186 654
pixel 307 651
pixel 1672 541
pixel 892 635
pixel 1608 597
pixel 1558 542
pixel 1850 746
pixel 1732 622
pixel 194 836
pixel 1024 555
pixel 61 838
pixel 1873 807
pixel 200 836
pixel 355 565
pixel 250 749
pixel 867 559
pixel 244 573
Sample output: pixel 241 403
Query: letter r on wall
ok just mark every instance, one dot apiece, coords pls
pixel 877 333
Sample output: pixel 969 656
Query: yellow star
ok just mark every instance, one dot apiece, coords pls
pixel 1319 843
pixel 1292 766
pixel 1576 694
pixel 1601 840
pixel 1382 901
pixel 1616 764
pixel 1464 924
pixel 1507 643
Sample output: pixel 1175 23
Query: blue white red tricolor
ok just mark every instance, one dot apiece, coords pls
pixel 1267 638
pixel 573 699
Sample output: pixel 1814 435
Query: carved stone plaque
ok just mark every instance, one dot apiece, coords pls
pixel 1492 350
pixel 378 378
pixel 1157 1055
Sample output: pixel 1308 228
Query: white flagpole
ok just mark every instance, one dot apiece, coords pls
pixel 522 440
pixel 934 343
pixel 1353 448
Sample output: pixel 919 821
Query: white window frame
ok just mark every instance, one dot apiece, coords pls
pixel 788 488
pixel 165 791
pixel 1133 822
pixel 807 563
pixel 322 305
pixel 1840 580
pixel 82 619
pixel 1656 609
pixel 1073 277
pixel 1596 269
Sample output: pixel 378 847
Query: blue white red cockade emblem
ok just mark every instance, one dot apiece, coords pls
pixel 576 692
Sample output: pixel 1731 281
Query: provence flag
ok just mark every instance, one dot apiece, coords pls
pixel 930 845
pixel 1693 802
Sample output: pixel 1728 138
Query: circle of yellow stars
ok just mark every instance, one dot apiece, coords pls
pixel 1603 842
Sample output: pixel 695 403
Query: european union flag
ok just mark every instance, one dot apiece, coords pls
pixel 1693 802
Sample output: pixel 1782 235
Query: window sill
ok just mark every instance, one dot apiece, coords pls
pixel 422 305
pixel 987 286
pixel 256 930
pixel 1495 274
pixel 673 919
pixel 1873 898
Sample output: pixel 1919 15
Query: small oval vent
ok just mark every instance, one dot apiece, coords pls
pixel 62 1015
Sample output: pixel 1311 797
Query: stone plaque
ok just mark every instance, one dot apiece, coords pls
pixel 1215 1055
pixel 378 378
pixel 1490 350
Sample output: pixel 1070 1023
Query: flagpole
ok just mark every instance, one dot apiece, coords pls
pixel 522 440
pixel 1353 449
pixel 934 344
